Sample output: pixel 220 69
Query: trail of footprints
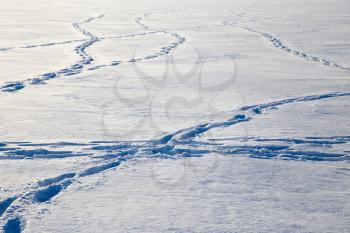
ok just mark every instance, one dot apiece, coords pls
pixel 12 210
pixel 106 155
pixel 86 59
pixel 72 70
pixel 278 43
pixel 182 143
pixel 92 39
pixel 41 45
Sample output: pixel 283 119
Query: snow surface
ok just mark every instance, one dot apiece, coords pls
pixel 175 116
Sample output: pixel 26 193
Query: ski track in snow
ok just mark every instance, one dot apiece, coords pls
pixel 278 43
pixel 77 68
pixel 106 155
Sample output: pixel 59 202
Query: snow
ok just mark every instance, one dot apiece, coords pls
pixel 174 116
pixel 208 194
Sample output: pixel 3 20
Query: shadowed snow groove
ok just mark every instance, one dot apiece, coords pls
pixel 298 141
pixel 46 194
pixel 5 204
pixel 100 168
pixel 280 151
pixel 56 179
pixel 16 153
pixel 192 132
pixel 42 45
pixel 13 226
pixel 43 195
pixel 258 108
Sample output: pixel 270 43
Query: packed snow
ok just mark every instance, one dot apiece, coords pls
pixel 175 116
